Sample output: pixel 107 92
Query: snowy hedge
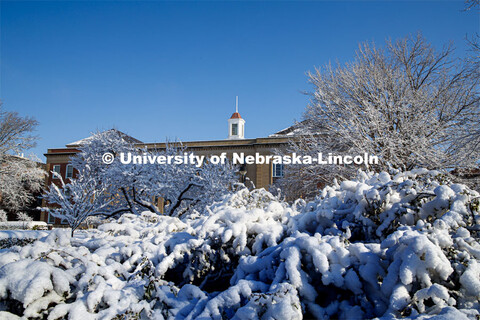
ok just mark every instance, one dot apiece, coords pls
pixel 10 238
pixel 25 225
pixel 379 246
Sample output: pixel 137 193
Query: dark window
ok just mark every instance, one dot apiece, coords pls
pixel 56 169
pixel 69 174
pixel 234 129
pixel 277 170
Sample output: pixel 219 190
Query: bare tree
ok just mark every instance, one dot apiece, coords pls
pixel 471 4
pixel 20 177
pixel 15 132
pixel 407 103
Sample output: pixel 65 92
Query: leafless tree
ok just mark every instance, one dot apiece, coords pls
pixel 471 4
pixel 15 132
pixel 20 177
pixel 407 103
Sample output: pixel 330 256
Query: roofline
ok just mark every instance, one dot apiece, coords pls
pixel 226 143
pixel 70 150
pixel 61 151
pixel 20 158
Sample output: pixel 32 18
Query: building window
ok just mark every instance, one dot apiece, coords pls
pixel 51 219
pixel 234 129
pixel 56 168
pixel 277 170
pixel 69 174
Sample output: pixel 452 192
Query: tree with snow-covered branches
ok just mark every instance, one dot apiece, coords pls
pixel 77 200
pixel 25 218
pixel 15 132
pixel 20 178
pixel 407 103
pixel 3 216
pixel 100 189
pixel 472 4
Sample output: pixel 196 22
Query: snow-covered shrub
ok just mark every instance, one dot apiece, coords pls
pixel 379 246
pixel 24 218
pixel 374 206
pixel 16 225
pixel 3 216
pixel 389 240
pixel 10 242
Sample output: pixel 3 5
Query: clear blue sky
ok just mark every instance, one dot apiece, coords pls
pixel 172 69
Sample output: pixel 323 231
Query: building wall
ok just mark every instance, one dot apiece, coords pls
pixel 56 157
pixel 259 174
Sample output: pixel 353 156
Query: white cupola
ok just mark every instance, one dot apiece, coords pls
pixel 236 125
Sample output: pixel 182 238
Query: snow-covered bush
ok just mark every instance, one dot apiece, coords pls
pixel 374 206
pixel 24 218
pixel 3 216
pixel 10 238
pixel 18 225
pixel 378 246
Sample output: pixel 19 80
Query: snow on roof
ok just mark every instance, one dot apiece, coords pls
pixel 124 136
pixel 297 129
pixel 20 158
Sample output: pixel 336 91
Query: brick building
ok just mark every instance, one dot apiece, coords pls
pixel 261 175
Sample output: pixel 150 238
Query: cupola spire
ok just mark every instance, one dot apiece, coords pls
pixel 236 125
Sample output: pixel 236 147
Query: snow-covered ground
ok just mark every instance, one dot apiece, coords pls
pixel 380 246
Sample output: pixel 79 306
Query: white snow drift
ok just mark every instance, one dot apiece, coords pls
pixel 380 246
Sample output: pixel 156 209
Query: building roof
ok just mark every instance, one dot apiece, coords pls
pixel 21 158
pixel 297 129
pixel 124 136
pixel 236 115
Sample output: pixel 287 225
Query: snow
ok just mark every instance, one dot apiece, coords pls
pixel 22 234
pixel 294 130
pixel 98 135
pixel 381 246
pixel 13 225
pixel 470 279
